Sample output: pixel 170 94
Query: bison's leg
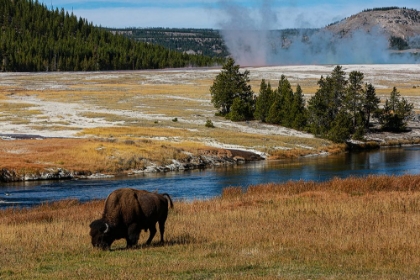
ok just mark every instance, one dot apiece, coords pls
pixel 162 230
pixel 133 236
pixel 152 234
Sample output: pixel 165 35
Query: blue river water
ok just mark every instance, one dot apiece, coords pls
pixel 202 184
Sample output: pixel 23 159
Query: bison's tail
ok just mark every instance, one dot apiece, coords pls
pixel 171 204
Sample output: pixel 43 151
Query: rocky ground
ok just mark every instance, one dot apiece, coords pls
pixel 412 134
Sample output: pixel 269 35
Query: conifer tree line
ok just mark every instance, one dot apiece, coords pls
pixel 384 9
pixel 342 107
pixel 34 38
pixel 208 42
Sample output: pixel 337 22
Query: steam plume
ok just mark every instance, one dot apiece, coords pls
pixel 250 37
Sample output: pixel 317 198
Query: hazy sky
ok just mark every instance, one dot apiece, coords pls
pixel 215 13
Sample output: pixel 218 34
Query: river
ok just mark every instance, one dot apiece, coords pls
pixel 202 184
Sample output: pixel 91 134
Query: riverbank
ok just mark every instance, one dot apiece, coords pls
pixel 35 158
pixel 119 123
pixel 58 159
pixel 355 228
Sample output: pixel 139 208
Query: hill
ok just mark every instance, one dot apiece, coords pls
pixel 206 42
pixel 400 25
pixel 34 38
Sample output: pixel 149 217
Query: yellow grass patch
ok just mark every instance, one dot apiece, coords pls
pixel 296 152
pixel 138 132
pixel 256 141
pixel 10 110
pixel 107 156
pixel 172 104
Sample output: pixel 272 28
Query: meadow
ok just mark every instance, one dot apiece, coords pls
pixel 354 228
pixel 113 121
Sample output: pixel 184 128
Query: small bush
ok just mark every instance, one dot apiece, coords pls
pixel 209 123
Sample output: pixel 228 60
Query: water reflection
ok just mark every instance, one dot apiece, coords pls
pixel 200 184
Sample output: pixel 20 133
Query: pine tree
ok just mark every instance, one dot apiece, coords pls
pixel 241 110
pixel 230 84
pixel 280 102
pixel 321 113
pixel 370 103
pixel 396 112
pixel 262 104
pixel 298 110
pixel 287 113
pixel 394 99
pixel 339 81
pixel 341 128
pixel 353 99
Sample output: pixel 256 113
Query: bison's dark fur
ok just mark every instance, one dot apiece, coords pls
pixel 126 213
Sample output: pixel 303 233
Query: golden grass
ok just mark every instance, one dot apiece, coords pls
pixel 401 142
pixel 89 155
pixel 356 228
pixel 124 98
pixel 122 149
pixel 184 131
pixel 137 132
pixel 18 110
pixel 296 152
pixel 267 144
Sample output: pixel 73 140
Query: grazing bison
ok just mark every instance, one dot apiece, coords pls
pixel 126 213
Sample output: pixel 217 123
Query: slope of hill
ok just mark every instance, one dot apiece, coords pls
pixel 207 42
pixel 401 25
pixel 34 38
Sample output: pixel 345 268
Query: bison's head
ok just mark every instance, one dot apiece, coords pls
pixel 101 234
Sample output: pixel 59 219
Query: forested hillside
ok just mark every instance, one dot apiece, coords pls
pixel 34 38
pixel 207 42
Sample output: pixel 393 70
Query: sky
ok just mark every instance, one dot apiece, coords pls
pixel 216 14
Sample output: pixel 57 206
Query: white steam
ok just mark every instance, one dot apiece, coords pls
pixel 245 31
pixel 250 37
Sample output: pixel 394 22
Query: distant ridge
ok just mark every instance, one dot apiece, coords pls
pixel 208 42
pixel 401 25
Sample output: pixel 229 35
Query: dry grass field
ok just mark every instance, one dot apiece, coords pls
pixel 162 112
pixel 355 228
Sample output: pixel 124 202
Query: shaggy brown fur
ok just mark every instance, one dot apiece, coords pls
pixel 128 211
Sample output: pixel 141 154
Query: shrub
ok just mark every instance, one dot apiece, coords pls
pixel 209 123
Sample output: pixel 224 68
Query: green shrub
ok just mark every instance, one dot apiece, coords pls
pixel 209 123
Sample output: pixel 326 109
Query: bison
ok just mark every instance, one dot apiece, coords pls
pixel 128 211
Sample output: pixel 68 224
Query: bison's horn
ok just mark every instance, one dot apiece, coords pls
pixel 107 228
